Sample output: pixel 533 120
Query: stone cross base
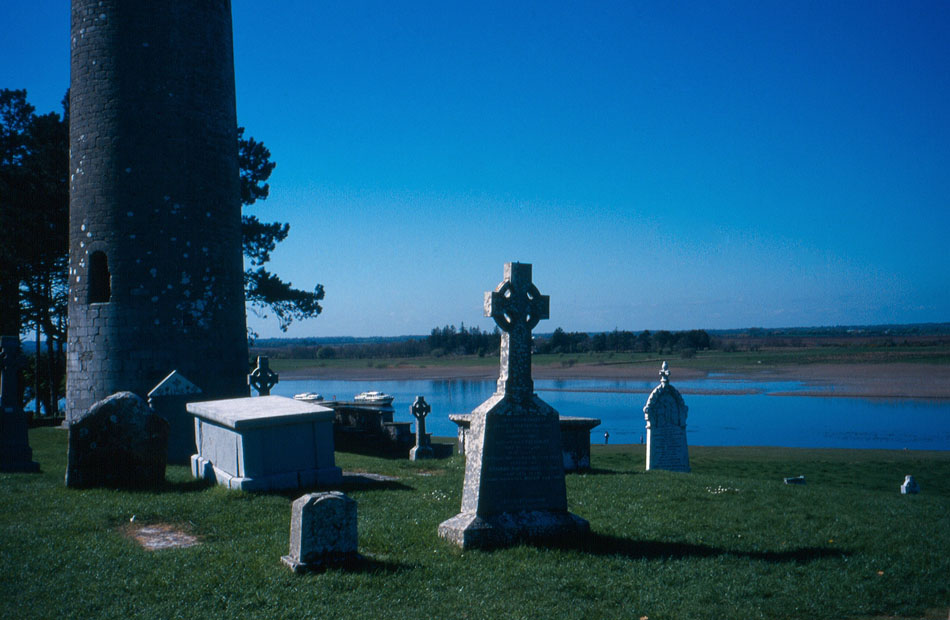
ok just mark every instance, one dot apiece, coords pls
pixel 471 531
pixel 17 457
pixel 514 478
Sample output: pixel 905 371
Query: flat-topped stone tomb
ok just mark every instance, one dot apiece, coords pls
pixel 264 443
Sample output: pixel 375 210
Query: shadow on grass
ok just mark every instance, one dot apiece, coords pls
pixel 351 482
pixel 367 564
pixel 606 545
pixel 188 486
pixel 596 471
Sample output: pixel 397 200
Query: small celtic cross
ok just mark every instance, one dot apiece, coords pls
pixel 517 306
pixel 262 378
pixel 420 409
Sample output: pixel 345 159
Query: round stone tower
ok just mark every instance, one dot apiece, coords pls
pixel 155 259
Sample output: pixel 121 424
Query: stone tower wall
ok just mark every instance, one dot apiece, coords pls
pixel 156 268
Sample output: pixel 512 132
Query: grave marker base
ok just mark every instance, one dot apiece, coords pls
pixel 471 531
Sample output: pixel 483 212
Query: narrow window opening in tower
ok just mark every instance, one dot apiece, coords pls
pixel 100 281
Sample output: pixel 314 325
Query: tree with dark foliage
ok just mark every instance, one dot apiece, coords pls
pixel 262 288
pixel 34 222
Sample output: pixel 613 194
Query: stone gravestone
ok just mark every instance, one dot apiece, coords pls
pixel 168 399
pixel 514 474
pixel 119 443
pixel 423 448
pixel 15 451
pixel 322 532
pixel 910 486
pixel 665 415
pixel 262 378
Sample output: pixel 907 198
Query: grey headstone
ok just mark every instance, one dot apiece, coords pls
pixel 15 451
pixel 910 486
pixel 665 414
pixel 168 399
pixel 323 532
pixel 119 442
pixel 514 473
pixel 423 448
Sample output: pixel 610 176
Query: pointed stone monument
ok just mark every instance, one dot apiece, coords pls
pixel 514 474
pixel 15 451
pixel 169 399
pixel 665 414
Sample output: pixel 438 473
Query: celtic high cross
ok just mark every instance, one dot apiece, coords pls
pixel 517 306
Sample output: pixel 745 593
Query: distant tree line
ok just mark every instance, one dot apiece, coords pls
pixel 462 341
pixel 625 342
pixel 456 341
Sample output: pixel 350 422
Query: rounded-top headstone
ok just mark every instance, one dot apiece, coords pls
pixel 322 531
pixel 118 442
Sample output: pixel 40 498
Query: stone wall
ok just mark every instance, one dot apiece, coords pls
pixel 154 187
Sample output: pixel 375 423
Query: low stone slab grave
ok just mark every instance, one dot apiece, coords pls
pixel 264 443
pixel 158 536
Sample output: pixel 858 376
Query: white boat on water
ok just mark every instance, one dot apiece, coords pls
pixel 309 397
pixel 373 398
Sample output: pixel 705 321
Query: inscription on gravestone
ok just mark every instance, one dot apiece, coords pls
pixel 665 414
pixel 514 473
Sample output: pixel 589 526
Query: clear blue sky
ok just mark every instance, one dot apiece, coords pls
pixel 663 165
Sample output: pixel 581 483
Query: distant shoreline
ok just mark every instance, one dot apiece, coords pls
pixel 879 380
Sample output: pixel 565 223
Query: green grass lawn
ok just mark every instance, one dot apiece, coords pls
pixel 729 540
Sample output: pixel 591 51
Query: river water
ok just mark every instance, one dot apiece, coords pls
pixel 756 418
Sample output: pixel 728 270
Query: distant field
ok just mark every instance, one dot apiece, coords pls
pixel 713 360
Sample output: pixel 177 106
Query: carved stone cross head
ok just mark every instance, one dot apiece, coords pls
pixel 517 301
pixel 517 306
pixel 420 408
pixel 262 378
